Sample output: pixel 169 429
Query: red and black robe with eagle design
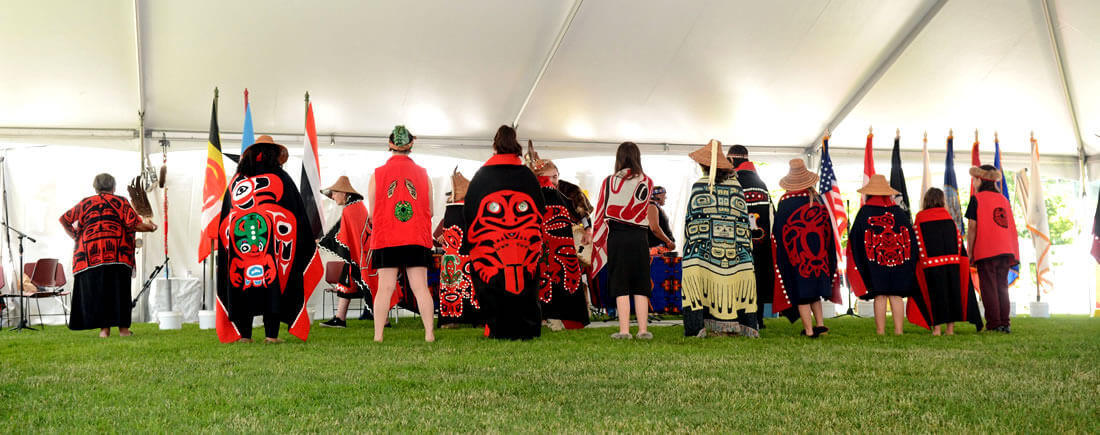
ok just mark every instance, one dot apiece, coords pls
pixel 882 250
pixel 944 293
pixel 458 302
pixel 804 252
pixel 504 209
pixel 560 290
pixel 268 262
pixel 349 240
pixel 104 232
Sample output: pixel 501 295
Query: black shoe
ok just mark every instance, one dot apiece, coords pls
pixel 1007 330
pixel 366 315
pixel 820 330
pixel 335 322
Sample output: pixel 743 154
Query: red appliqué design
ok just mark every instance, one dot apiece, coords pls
pixel 260 232
pixel 454 278
pixel 1000 217
pixel 507 237
pixel 806 240
pixel 561 266
pixel 887 247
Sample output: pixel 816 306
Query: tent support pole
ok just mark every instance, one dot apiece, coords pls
pixel 549 58
pixel 877 73
pixel 1055 39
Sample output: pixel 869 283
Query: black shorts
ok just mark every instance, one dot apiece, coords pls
pixel 401 256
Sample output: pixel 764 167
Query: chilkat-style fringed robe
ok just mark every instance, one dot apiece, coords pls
pixel 718 275
pixel 268 262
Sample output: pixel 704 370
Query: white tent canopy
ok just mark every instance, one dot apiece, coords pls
pixel 759 73
pixel 576 76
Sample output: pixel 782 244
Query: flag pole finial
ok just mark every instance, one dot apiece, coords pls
pixel 1032 134
pixel 926 135
pixel 826 136
pixel 215 92
pixel 975 135
pixel 307 96
pixel 995 138
pixel 950 132
pixel 897 133
pixel 870 130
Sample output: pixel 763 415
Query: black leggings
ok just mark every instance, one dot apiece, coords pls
pixel 271 326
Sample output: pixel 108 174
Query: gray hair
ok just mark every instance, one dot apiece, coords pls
pixel 104 183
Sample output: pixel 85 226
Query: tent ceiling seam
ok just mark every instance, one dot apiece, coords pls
pixel 880 70
pixel 549 59
pixel 1055 39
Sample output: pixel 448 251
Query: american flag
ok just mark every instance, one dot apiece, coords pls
pixel 830 192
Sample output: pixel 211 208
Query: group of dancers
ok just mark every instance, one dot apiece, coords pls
pixel 521 249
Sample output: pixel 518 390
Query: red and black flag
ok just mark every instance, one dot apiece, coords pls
pixel 213 186
pixel 897 176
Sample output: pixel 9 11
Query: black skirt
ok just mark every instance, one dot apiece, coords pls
pixel 101 298
pixel 628 260
pixel 401 256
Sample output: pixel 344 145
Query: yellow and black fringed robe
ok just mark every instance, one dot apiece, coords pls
pixel 718 272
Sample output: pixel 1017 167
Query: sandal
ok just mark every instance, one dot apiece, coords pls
pixel 621 336
pixel 645 335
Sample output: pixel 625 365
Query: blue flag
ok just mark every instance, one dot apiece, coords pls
pixel 951 187
pixel 1014 271
pixel 248 137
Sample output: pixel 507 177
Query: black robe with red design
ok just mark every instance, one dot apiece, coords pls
pixel 943 274
pixel 882 250
pixel 504 209
pixel 268 262
pixel 804 252
pixel 458 303
pixel 761 212
pixel 560 291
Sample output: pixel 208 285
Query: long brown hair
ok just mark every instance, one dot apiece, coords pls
pixel 932 199
pixel 505 141
pixel 629 157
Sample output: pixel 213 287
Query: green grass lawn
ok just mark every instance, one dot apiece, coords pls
pixel 1041 378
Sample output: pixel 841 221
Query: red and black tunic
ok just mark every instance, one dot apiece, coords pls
pixel 504 209
pixel 944 292
pixel 349 240
pixel 104 227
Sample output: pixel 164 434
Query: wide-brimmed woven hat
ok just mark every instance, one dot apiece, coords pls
pixel 459 186
pixel 265 139
pixel 986 174
pixel 711 149
pixel 798 177
pixel 342 185
pixel 878 185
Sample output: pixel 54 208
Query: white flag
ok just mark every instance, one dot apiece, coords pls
pixel 926 176
pixel 1029 191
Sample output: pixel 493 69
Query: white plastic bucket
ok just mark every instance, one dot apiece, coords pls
pixel 206 319
pixel 170 319
pixel 1012 310
pixel 828 309
pixel 1040 309
pixel 865 308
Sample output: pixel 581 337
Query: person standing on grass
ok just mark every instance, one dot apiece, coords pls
pixel 992 242
pixel 944 295
pixel 504 210
pixel 657 198
pixel 267 263
pixel 882 252
pixel 349 241
pixel 401 205
pixel 719 290
pixel 624 217
pixel 103 227
pixel 805 251
pixel 563 300
pixel 761 214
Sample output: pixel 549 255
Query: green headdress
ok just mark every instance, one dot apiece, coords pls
pixel 402 139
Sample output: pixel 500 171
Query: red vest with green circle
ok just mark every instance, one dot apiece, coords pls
pixel 402 209
pixel 996 229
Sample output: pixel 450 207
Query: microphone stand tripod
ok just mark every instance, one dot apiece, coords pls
pixel 22 297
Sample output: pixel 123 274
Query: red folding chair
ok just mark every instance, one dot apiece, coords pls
pixel 332 277
pixel 48 276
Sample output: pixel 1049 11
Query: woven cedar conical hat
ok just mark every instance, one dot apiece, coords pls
pixel 703 155
pixel 878 185
pixel 342 185
pixel 798 177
